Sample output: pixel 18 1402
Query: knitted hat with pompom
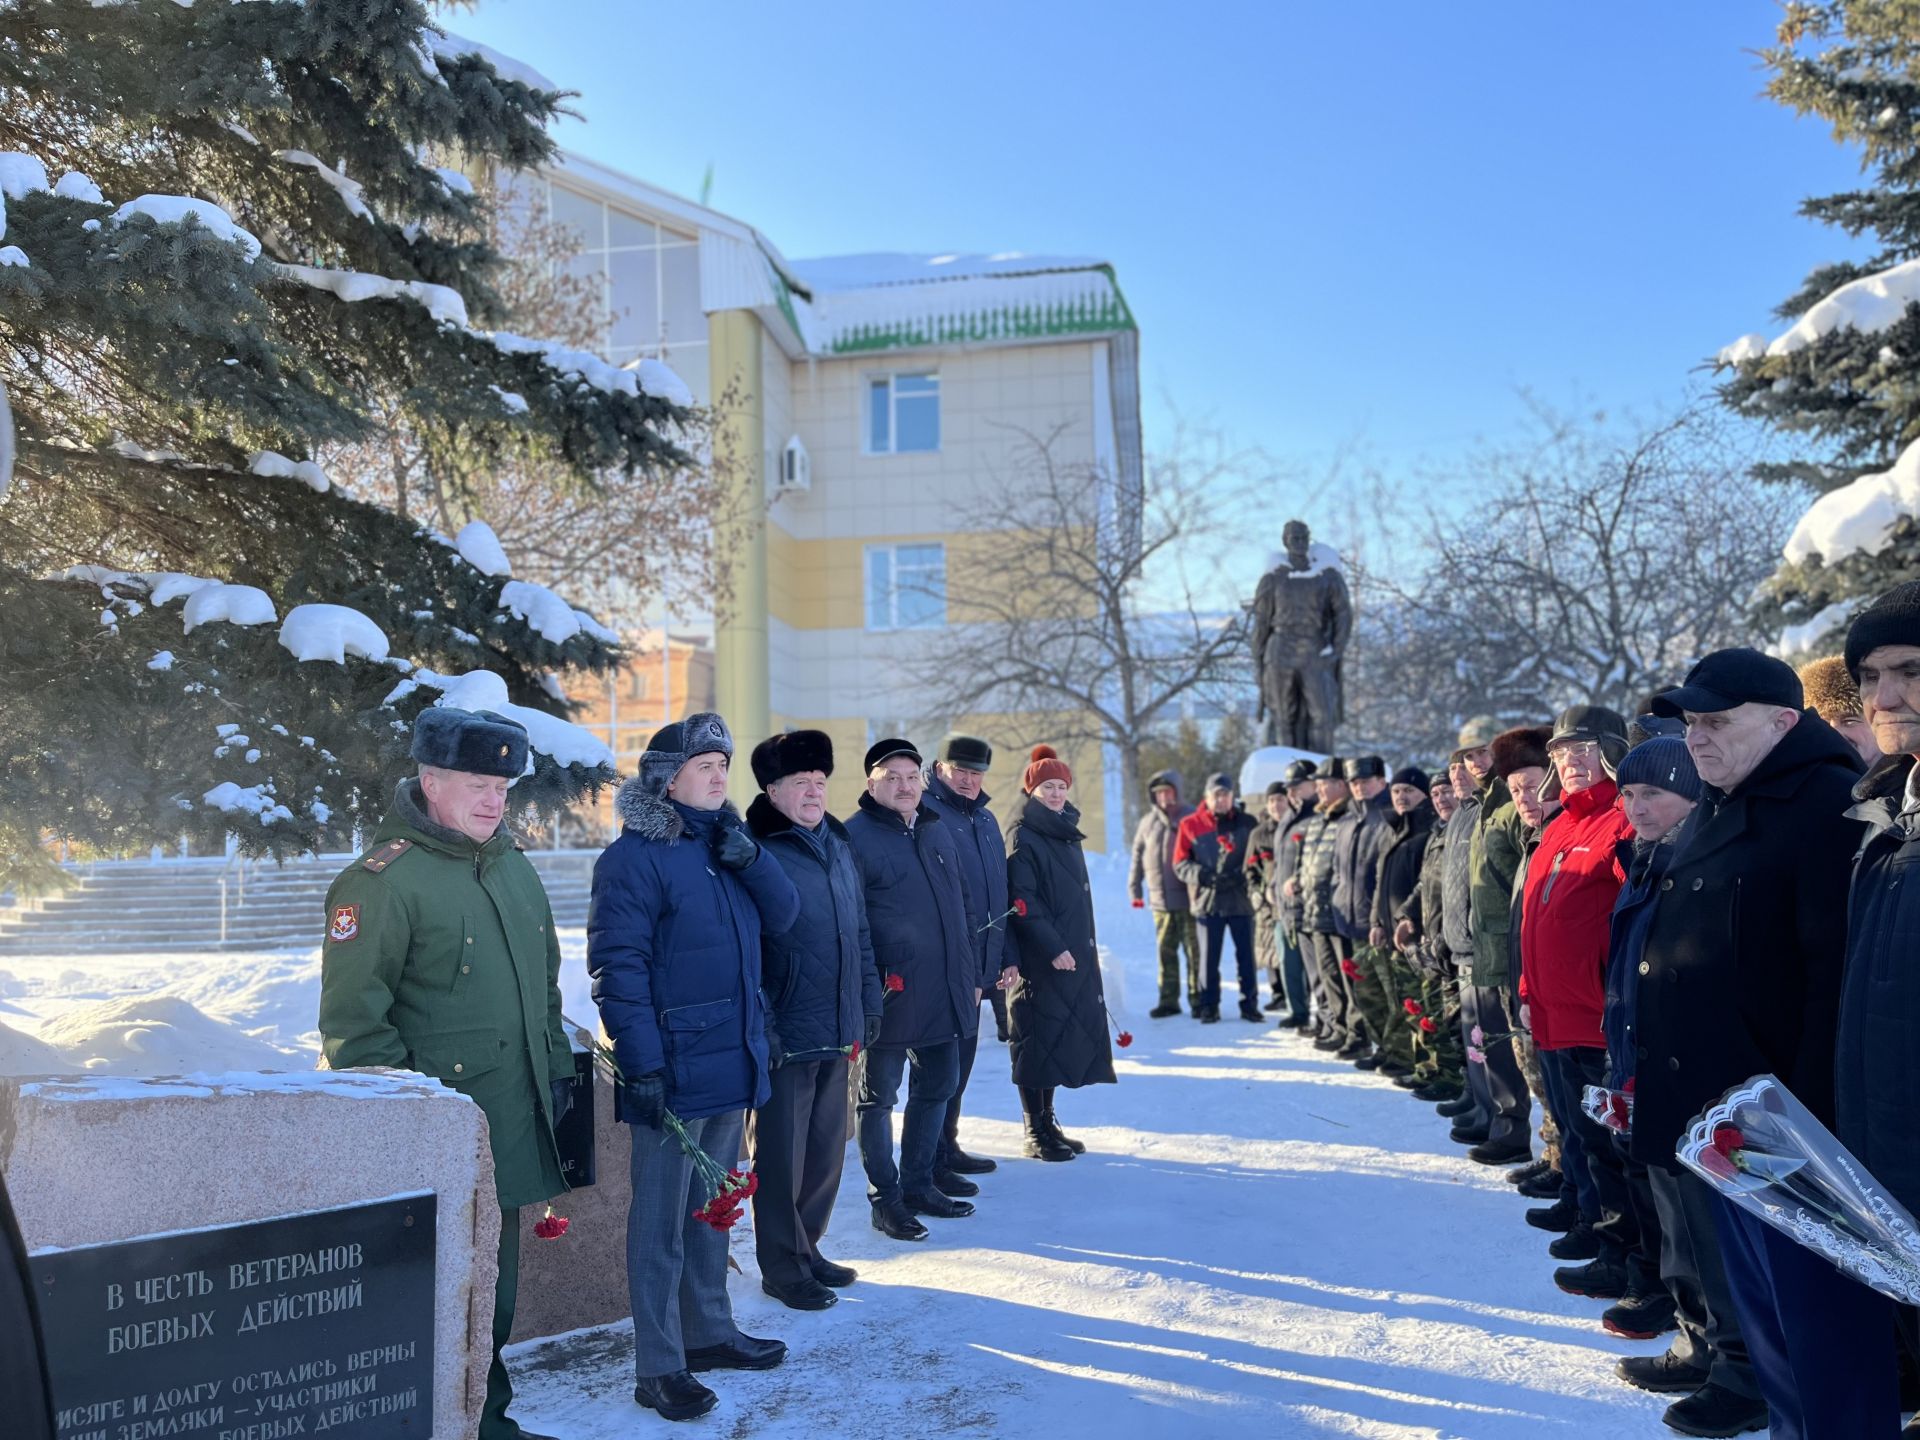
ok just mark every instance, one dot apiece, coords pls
pixel 1043 765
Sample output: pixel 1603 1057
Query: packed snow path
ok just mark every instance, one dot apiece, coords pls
pixel 1259 1237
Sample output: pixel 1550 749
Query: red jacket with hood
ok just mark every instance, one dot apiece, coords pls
pixel 1565 915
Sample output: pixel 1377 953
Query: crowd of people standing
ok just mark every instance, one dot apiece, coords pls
pixel 1656 909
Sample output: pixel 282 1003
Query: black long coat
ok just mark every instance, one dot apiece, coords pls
pixel 1057 1019
pixel 1397 883
pixel 818 974
pixel 920 923
pixel 1877 1099
pixel 1741 971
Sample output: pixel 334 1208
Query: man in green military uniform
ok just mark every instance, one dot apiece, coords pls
pixel 440 957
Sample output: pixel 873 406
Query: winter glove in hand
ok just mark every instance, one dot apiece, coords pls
pixel 733 848
pixel 644 1099
pixel 873 1030
pixel 776 1052
pixel 562 1093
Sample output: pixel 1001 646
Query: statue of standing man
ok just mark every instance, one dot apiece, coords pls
pixel 1302 617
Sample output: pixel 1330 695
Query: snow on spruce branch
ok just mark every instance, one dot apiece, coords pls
pixel 560 740
pixel 1869 304
pixel 1859 517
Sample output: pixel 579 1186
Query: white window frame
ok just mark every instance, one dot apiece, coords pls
pixel 891 619
pixel 868 400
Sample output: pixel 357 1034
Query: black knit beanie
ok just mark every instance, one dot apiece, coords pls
pixel 1893 619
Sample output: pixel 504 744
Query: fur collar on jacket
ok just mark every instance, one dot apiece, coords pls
pixel 650 815
pixel 765 821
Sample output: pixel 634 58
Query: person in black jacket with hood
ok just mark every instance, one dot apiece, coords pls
pixel 1740 976
pixel 931 982
pixel 1058 1012
pixel 823 1004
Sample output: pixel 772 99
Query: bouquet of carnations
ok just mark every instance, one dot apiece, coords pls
pixel 1611 1108
pixel 1765 1152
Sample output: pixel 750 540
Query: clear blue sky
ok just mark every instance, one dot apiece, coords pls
pixel 1334 223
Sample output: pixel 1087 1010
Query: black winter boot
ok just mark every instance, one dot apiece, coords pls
pixel 1600 1279
pixel 1560 1217
pixel 1715 1410
pixel 1579 1243
pixel 1665 1374
pixel 1041 1143
pixel 1059 1134
pixel 1644 1312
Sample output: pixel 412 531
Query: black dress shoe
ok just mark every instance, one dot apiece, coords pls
pixel 1500 1152
pixel 959 1162
pixel 1332 1044
pixel 1559 1217
pixel 1161 1012
pixel 1664 1374
pixel 806 1293
pixel 1208 1014
pixel 1353 1049
pixel 836 1277
pixel 1599 1279
pixel 1368 1062
pixel 1531 1171
pixel 1279 1002
pixel 937 1205
pixel 1438 1092
pixel 1292 1024
pixel 896 1222
pixel 948 1183
pixel 1715 1410
pixel 1251 1011
pixel 676 1397
pixel 1468 1134
pixel 743 1352
pixel 1543 1187
pixel 1455 1108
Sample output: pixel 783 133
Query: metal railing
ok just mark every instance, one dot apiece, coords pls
pixel 233 877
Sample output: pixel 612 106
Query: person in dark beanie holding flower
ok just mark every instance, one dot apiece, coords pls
pixel 1057 1011
pixel 1342 1032
pixel 1209 855
pixel 956 791
pixel 679 903
pixel 1741 976
pixel 440 957
pixel 823 1004
pixel 1396 890
pixel 931 982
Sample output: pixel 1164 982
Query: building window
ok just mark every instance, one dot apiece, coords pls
pixel 906 587
pixel 903 414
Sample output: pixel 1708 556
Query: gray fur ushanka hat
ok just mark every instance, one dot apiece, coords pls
pixel 673 745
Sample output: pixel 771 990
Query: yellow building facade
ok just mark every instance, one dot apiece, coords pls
pixel 867 409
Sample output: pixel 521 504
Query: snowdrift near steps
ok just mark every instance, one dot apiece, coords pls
pixel 156 1035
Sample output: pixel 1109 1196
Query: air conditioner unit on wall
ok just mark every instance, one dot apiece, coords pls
pixel 796 467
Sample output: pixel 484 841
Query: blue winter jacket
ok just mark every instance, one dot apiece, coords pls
pixel 818 973
pixel 673 945
pixel 918 915
pixel 1643 865
pixel 983 871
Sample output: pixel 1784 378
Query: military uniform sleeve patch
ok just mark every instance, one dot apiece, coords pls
pixel 345 924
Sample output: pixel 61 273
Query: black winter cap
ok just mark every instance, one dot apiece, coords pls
pixel 1276 787
pixel 1739 676
pixel 1331 768
pixel 1366 767
pixel 791 753
pixel 476 741
pixel 1893 619
pixel 1299 770
pixel 969 752
pixel 1221 781
pixel 1412 775
pixel 882 751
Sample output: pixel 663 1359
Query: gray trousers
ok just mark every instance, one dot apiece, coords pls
pixel 677 1265
pixel 1691 1268
pixel 799 1144
pixel 1339 1015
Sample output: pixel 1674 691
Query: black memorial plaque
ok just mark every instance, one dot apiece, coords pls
pixel 313 1324
pixel 574 1136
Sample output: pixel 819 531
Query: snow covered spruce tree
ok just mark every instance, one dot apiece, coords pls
pixel 1845 374
pixel 229 242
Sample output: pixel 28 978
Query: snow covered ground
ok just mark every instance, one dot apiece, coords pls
pixel 1258 1237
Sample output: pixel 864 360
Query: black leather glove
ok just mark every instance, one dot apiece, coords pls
pixel 776 1052
pixel 562 1093
pixel 733 848
pixel 644 1099
pixel 873 1031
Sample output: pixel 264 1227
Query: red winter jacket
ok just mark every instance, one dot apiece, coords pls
pixel 1564 919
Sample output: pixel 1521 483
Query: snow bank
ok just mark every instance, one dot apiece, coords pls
pixel 156 1035
pixel 24 1055
pixel 450 46
pixel 561 740
pixel 273 463
pixel 247 800
pixel 352 286
pixel 235 604
pixel 331 632
pixel 171 209
pixel 1858 516
pixel 166 585
pixel 480 548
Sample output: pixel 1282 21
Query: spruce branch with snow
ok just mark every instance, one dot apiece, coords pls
pixel 232 240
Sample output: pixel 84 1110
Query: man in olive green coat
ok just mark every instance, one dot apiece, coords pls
pixel 440 957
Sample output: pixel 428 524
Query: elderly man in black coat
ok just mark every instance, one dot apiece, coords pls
pixel 931 982
pixel 823 1004
pixel 956 792
pixel 1741 976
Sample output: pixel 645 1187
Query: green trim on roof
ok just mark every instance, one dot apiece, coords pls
pixel 1086 316
pixel 783 294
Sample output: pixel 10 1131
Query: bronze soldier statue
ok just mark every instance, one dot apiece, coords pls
pixel 1302 617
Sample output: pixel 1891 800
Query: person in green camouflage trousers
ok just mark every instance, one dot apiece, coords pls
pixel 440 957
pixel 1396 883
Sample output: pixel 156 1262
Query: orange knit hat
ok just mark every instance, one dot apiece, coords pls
pixel 1044 765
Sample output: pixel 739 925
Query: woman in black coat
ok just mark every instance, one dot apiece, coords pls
pixel 1056 1015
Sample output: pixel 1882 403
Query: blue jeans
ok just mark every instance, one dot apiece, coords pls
pixel 1214 930
pixel 936 1074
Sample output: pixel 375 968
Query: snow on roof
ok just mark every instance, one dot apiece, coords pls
pixel 888 302
pixel 1859 516
pixel 331 632
pixel 450 46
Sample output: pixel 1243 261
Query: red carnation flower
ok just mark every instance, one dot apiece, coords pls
pixel 853 1051
pixel 1728 1139
pixel 1126 1038
pixel 551 1226
pixel 1349 969
pixel 1411 1006
pixel 895 983
pixel 1226 844
pixel 1020 908
pixel 1426 1024
pixel 1722 1157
